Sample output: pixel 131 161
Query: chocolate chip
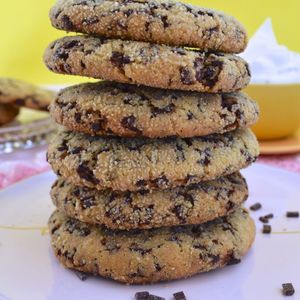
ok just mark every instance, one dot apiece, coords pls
pixel 141 183
pixel 83 65
pixel 88 202
pixel 158 268
pixel 61 53
pixel 190 115
pixel 164 20
pixel 198 65
pixel 232 260
pixel 119 59
pixel 67 23
pixel 170 108
pixel 228 101
pixel 179 296
pixel 85 173
pixel 264 220
pixel 97 126
pixel 19 102
pixel 90 21
pixel 73 226
pixel 77 117
pixel 288 289
pixel 147 25
pixel 180 213
pixel 186 76
pixel 269 216
pixel 267 229
pixel 161 181
pixel 142 251
pixel 209 75
pixel 179 152
pixel 72 44
pixel 82 276
pixel 141 295
pixel 255 206
pixel 212 30
pixel 292 214
pixel 128 12
pixel 129 123
pixel 153 297
pixel 76 150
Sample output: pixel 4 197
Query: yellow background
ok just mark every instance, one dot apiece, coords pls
pixel 26 31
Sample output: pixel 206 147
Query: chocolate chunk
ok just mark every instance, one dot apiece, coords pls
pixel 158 268
pixel 142 251
pixel 119 59
pixel 141 295
pixel 186 76
pixel 269 216
pixel 97 126
pixel 160 181
pixel 90 21
pixel 67 23
pixel 128 12
pixel 255 206
pixel 288 289
pixel 179 296
pixel 141 183
pixel 153 297
pixel 190 115
pixel 77 117
pixel 129 123
pixel 85 173
pixel 267 229
pixel 233 261
pixel 72 44
pixel 264 219
pixel 227 102
pixel 87 202
pixel 19 102
pixel 76 150
pixel 210 73
pixel 170 108
pixel 164 20
pixel 179 211
pixel 292 214
pixel 61 54
pixel 82 276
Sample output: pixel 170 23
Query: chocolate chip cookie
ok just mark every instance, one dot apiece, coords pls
pixel 158 22
pixel 194 204
pixel 148 64
pixel 20 93
pixel 107 108
pixel 144 256
pixel 141 164
pixel 7 113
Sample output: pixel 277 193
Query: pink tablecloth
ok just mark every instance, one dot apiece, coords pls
pixel 22 164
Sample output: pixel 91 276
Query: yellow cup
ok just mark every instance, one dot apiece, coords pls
pixel 279 109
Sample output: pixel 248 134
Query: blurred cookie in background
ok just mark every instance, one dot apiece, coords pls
pixel 8 113
pixel 23 94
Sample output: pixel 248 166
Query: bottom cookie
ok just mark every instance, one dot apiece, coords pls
pixel 145 256
pixel 7 113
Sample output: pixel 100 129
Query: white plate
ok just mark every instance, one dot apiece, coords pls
pixel 28 269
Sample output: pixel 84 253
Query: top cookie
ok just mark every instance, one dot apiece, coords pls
pixel 155 21
pixel 21 93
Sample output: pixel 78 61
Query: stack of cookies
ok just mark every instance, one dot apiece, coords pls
pixel 148 161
